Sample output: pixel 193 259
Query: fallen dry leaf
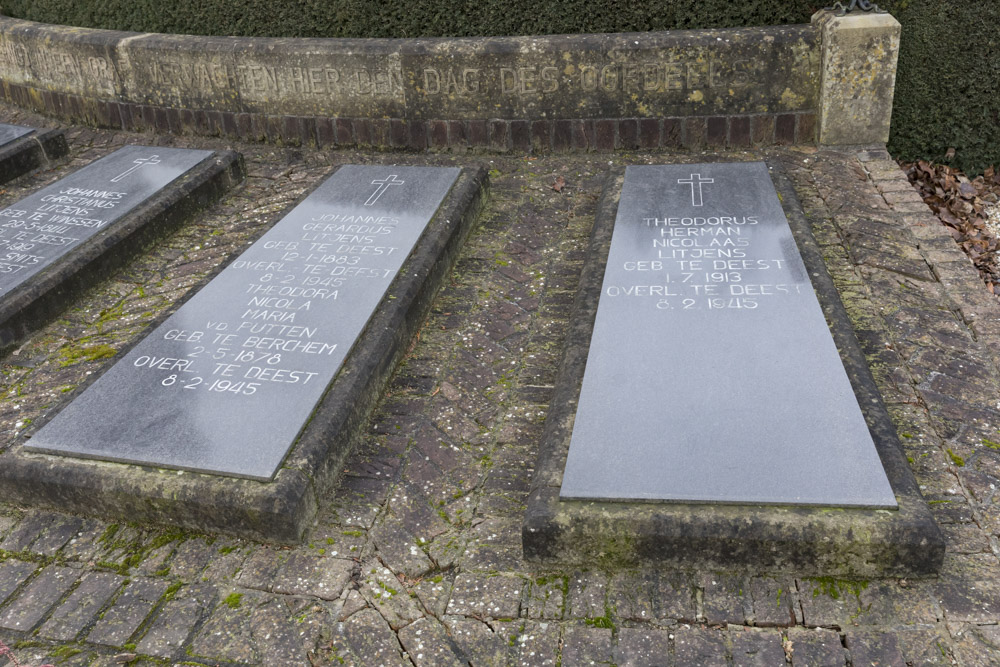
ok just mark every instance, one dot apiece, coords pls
pixel 961 205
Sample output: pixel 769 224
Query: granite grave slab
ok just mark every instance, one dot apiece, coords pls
pixel 338 249
pixel 53 242
pixel 24 149
pixel 9 133
pixel 729 367
pixel 226 383
pixel 701 322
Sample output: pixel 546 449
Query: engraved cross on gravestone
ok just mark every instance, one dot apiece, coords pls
pixel 696 195
pixel 139 163
pixel 383 185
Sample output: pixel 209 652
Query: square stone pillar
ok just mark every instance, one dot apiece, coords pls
pixel 859 52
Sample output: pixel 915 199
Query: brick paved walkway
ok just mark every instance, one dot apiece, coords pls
pixel 415 560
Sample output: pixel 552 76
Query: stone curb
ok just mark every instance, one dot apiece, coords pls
pixel 283 509
pixel 679 89
pixel 822 541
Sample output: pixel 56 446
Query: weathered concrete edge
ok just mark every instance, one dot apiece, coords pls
pixel 280 510
pixel 119 93
pixel 37 301
pixel 31 152
pixel 813 541
pixel 860 53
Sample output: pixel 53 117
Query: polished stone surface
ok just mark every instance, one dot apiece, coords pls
pixel 712 376
pixel 9 133
pixel 41 228
pixel 227 382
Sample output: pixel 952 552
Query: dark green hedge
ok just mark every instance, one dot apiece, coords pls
pixel 407 18
pixel 947 90
pixel 948 83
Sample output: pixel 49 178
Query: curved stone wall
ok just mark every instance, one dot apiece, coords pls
pixel 737 87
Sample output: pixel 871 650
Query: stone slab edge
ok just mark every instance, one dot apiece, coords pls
pixel 31 152
pixel 36 301
pixel 282 509
pixel 809 541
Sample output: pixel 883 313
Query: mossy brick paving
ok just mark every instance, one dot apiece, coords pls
pixel 446 454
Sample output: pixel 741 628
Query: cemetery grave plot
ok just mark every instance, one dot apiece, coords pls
pixel 729 348
pixel 57 241
pixel 727 430
pixel 225 383
pixel 242 371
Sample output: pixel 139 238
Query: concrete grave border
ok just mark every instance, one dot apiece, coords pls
pixel 280 510
pixel 30 152
pixel 831 79
pixel 38 300
pixel 810 541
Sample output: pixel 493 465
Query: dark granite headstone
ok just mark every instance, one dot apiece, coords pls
pixel 712 376
pixel 227 382
pixel 9 133
pixel 24 149
pixel 41 228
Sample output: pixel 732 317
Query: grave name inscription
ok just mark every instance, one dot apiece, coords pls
pixel 730 389
pixel 43 227
pixel 227 382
